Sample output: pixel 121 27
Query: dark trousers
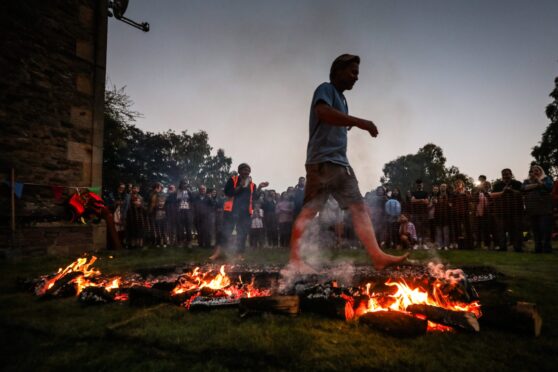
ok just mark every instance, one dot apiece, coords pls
pixel 542 233
pixel 185 221
pixel 285 229
pixel 483 230
pixel 242 224
pixel 463 231
pixel 257 238
pixel 511 224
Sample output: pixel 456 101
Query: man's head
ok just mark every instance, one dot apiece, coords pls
pixel 507 175
pixel 121 188
pixel 419 185
pixel 482 178
pixel 244 170
pixel 171 188
pixel 301 181
pixel 202 190
pixel 344 71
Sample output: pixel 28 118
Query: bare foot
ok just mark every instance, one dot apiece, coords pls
pixel 388 260
pixel 217 254
pixel 301 267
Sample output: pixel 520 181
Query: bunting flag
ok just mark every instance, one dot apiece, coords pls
pixel 95 189
pixel 18 189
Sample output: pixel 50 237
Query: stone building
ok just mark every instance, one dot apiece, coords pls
pixel 52 81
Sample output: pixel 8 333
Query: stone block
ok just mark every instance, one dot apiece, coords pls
pixel 86 16
pixel 85 50
pixel 81 117
pixel 79 151
pixel 84 84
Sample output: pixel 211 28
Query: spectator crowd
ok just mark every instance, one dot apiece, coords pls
pixel 447 216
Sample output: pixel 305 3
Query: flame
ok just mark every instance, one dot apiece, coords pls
pixel 406 295
pixel 197 280
pixel 222 286
pixel 79 265
pixel 88 277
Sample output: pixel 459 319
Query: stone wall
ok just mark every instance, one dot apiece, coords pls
pixel 52 79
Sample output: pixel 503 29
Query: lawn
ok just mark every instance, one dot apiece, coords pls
pixel 62 334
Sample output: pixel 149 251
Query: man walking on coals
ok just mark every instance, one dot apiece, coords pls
pixel 327 168
pixel 241 195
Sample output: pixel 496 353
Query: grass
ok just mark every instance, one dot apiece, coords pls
pixel 62 334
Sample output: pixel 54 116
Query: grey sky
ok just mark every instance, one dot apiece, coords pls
pixel 470 76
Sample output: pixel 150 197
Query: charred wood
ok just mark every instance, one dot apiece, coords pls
pixel 395 323
pixel 95 296
pixel 521 317
pixel 333 307
pixel 289 305
pixel 203 303
pixel 462 320
pixel 143 296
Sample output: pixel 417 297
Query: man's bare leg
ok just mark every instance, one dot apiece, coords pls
pixel 305 216
pixel 365 232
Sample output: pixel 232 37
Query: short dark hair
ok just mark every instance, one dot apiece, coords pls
pixel 341 62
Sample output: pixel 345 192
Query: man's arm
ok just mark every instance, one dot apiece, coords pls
pixel 334 117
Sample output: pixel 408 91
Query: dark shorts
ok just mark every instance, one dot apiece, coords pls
pixel 325 179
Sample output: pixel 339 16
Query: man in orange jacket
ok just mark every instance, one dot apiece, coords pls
pixel 241 194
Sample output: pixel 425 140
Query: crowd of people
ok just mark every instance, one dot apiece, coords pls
pixel 189 215
pixel 489 216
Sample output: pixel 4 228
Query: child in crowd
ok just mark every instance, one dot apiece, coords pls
pixel 257 227
pixel 407 232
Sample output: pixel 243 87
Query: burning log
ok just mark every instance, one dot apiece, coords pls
pixel 60 288
pixel 522 318
pixel 143 296
pixel 395 323
pixel 289 305
pixel 463 320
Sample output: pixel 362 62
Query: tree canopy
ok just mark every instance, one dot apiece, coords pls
pixel 428 164
pixel 546 152
pixel 134 156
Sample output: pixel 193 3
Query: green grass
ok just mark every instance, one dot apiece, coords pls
pixel 62 334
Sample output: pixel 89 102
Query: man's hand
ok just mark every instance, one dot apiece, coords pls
pixel 263 184
pixel 368 126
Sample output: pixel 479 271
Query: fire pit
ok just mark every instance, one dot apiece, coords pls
pixel 404 301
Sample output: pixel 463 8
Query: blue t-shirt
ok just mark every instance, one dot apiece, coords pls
pixel 327 143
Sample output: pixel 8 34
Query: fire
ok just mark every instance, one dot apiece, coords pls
pixel 197 280
pixel 220 285
pixel 82 276
pixel 407 295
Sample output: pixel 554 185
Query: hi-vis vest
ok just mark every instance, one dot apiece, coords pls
pixel 228 206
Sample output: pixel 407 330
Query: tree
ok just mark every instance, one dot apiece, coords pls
pixel 428 164
pixel 134 156
pixel 546 152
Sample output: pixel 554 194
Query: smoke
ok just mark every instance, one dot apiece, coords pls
pixel 438 271
pixel 315 244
